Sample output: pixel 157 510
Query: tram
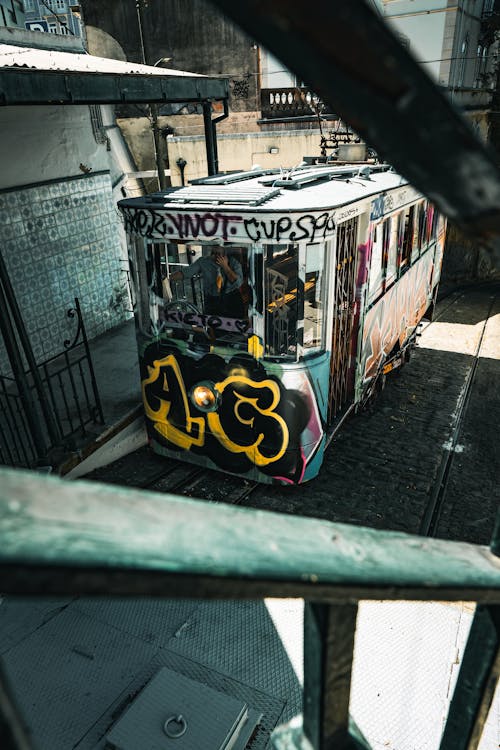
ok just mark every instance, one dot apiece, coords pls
pixel 270 304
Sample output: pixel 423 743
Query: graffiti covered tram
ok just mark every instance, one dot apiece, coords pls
pixel 270 304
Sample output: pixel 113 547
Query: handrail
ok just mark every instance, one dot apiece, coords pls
pixel 47 523
pixel 86 538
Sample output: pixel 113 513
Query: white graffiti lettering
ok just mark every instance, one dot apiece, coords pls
pixel 177 317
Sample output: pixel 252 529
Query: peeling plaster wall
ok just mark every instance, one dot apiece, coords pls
pixel 61 230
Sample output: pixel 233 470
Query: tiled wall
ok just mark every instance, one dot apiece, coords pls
pixel 60 241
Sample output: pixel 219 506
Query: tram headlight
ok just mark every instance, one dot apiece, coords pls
pixel 204 396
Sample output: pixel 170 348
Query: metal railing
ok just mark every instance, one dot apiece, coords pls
pixel 60 538
pixel 70 393
pixel 280 102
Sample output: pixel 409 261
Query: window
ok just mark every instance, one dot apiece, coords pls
pixel 314 296
pixel 281 300
pixel 29 5
pixel 377 262
pixel 406 226
pixel 392 250
pixel 480 75
pixel 462 61
pixel 208 293
pixel 418 231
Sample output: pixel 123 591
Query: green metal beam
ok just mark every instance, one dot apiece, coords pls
pixel 82 537
pixel 28 86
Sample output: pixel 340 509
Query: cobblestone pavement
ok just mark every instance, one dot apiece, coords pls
pixel 382 468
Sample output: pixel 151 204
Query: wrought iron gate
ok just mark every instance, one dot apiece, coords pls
pixel 343 311
pixel 71 396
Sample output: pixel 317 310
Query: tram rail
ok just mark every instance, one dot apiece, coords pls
pixel 430 519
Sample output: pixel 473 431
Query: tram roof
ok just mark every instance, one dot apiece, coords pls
pixel 307 187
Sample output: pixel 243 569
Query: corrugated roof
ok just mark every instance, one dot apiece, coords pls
pixel 12 56
pixel 29 75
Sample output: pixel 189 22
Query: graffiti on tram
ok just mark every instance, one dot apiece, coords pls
pixel 208 225
pixel 255 422
pixel 391 321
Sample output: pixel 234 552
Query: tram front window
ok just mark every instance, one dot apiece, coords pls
pixel 206 289
pixel 281 288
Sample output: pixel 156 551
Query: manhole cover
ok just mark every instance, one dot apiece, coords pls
pixel 177 713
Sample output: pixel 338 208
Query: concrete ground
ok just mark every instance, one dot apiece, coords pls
pixel 116 366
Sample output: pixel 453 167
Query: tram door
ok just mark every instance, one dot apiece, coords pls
pixel 343 318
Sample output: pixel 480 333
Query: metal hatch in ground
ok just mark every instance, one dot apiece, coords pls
pixel 174 707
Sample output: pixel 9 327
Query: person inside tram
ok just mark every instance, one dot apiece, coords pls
pixel 222 276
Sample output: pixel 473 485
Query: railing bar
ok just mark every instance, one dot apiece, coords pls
pixel 329 632
pixel 75 393
pixel 91 366
pixel 15 735
pixel 16 440
pixel 82 377
pixel 476 683
pixel 52 398
pixel 6 441
pixel 63 394
pixel 27 434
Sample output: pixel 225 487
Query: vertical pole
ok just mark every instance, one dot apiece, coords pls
pixel 14 733
pixel 160 165
pixel 476 683
pixel 328 651
pixel 495 539
pixel 209 137
pixel 16 363
pixel 11 300
pixel 89 360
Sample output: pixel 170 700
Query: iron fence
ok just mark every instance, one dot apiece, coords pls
pixel 70 392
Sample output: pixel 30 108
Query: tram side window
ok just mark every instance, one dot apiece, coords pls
pixel 281 300
pixel 418 231
pixel 377 262
pixel 314 296
pixel 391 254
pixel 408 220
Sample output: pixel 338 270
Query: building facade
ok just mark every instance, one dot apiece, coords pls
pixel 53 17
pixel 455 41
pixel 273 121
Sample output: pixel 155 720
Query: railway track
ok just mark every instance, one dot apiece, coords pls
pixel 364 479
pixel 431 516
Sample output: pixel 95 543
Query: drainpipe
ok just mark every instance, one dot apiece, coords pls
pixel 211 135
pixel 181 163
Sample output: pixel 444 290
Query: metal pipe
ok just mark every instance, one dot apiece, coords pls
pixel 209 138
pixel 214 133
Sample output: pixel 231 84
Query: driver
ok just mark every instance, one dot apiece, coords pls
pixel 222 277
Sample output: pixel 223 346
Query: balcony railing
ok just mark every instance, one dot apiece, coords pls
pixel 282 102
pixel 61 538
